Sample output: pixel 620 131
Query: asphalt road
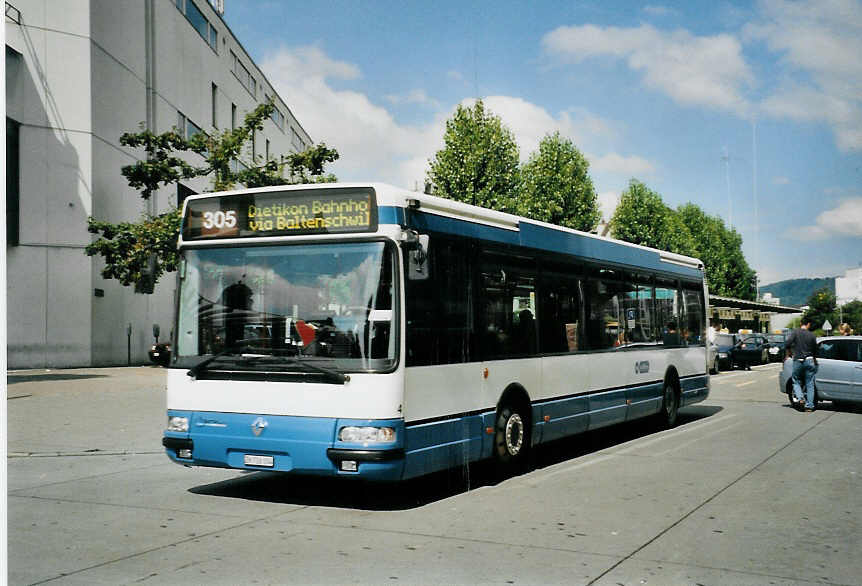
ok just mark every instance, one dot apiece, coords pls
pixel 744 491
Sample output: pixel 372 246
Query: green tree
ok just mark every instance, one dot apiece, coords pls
pixel 851 313
pixel 139 253
pixel 643 218
pixel 740 278
pixel 556 187
pixel 720 249
pixel 479 161
pixel 822 305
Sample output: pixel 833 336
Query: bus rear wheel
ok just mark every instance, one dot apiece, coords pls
pixel 511 438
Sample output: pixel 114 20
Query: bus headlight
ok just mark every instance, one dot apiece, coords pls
pixel 366 434
pixel 176 423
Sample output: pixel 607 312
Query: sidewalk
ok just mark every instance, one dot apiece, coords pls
pixel 85 411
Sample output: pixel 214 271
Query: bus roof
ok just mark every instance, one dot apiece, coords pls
pixel 447 215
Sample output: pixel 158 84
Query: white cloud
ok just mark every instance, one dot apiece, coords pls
pixel 820 43
pixel 413 97
pixel 374 146
pixel 626 166
pixel 842 221
pixel 691 70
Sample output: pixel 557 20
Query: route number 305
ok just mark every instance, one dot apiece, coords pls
pixel 220 219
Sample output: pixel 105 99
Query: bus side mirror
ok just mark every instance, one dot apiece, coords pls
pixel 416 248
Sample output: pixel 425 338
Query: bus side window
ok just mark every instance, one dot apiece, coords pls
pixel 603 316
pixel 693 332
pixel 559 312
pixel 509 306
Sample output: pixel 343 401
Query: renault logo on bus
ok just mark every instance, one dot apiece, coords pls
pixel 258 425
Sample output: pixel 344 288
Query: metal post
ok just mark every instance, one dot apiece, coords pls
pixel 129 343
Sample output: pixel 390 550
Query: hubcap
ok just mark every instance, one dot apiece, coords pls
pixel 514 434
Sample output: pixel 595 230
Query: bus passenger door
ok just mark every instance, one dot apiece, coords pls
pixel 508 334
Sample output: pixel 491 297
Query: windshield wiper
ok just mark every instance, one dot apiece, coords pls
pixel 237 346
pixel 334 375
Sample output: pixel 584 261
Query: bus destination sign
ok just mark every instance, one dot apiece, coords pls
pixel 281 213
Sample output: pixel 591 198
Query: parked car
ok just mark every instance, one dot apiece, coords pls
pixel 777 344
pixel 160 353
pixel 724 344
pixel 712 357
pixel 751 349
pixel 839 373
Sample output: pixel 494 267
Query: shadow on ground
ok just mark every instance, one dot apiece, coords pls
pixel 356 494
pixel 29 378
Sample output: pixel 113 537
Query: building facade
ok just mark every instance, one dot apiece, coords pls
pixel 80 73
pixel 849 287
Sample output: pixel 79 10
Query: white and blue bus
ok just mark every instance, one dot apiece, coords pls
pixel 369 331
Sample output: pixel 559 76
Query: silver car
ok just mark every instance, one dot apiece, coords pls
pixel 839 373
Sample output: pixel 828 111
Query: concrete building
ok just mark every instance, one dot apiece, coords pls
pixel 849 287
pixel 79 73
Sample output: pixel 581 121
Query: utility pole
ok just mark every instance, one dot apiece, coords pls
pixel 754 191
pixel 726 159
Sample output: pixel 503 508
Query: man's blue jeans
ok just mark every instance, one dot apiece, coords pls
pixel 803 376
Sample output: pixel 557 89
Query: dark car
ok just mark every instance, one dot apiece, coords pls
pixel 777 344
pixel 724 345
pixel 751 349
pixel 160 353
pixel 839 372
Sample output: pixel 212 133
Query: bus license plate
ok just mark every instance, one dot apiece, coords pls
pixel 254 460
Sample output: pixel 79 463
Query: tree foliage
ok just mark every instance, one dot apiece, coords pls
pixel 720 249
pixel 851 313
pixel 556 187
pixel 479 162
pixel 139 253
pixel 822 305
pixel 643 218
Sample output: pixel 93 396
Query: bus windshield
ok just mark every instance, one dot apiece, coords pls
pixel 271 307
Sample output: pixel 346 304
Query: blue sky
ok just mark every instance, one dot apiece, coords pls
pixel 761 101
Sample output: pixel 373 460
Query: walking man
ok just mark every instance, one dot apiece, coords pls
pixel 802 347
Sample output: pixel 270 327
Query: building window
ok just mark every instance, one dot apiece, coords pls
pixel 186 127
pixel 200 23
pixel 242 74
pixel 233 116
pixel 277 117
pixel 296 141
pixel 215 105
pixel 267 149
pixel 13 184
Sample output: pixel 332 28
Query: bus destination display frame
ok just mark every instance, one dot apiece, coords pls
pixel 281 213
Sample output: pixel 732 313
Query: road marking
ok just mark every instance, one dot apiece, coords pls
pixel 671 433
pixel 637 445
pixel 679 446
pixel 569 469
pixel 745 384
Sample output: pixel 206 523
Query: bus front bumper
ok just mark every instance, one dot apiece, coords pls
pixel 281 443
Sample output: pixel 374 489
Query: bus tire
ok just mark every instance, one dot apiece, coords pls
pixel 669 404
pixel 511 438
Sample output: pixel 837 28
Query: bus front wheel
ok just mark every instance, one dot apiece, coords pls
pixel 511 438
